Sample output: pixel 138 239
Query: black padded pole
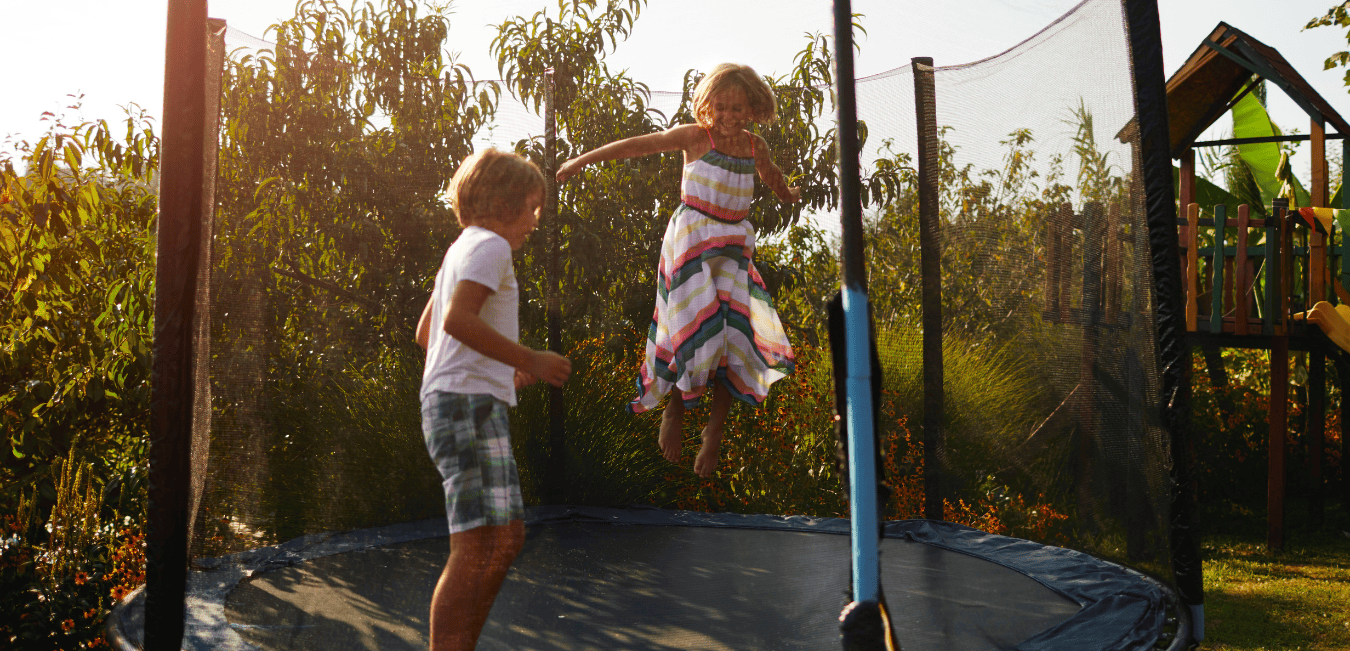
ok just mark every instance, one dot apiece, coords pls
pixel 930 266
pixel 171 397
pixel 1174 353
pixel 850 184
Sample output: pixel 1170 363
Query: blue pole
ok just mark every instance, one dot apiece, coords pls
pixel 862 472
pixel 861 439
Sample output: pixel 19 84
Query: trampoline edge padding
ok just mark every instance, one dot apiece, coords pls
pixel 1116 604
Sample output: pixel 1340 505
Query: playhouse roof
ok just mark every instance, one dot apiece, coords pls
pixel 1227 62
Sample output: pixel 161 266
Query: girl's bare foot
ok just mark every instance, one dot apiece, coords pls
pixel 706 461
pixel 672 429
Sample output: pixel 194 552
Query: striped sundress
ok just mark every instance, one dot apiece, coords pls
pixel 714 318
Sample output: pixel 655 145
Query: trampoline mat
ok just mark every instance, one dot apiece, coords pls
pixel 579 585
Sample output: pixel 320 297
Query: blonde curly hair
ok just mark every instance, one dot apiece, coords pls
pixel 763 106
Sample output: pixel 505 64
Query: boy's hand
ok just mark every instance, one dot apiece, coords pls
pixel 549 367
pixel 524 379
pixel 568 169
pixel 794 195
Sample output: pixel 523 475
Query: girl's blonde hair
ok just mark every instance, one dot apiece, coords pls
pixel 763 107
pixel 493 185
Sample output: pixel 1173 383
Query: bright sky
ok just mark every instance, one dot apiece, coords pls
pixel 113 52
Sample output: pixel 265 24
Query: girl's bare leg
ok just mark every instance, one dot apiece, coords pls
pixel 479 560
pixel 672 427
pixel 706 461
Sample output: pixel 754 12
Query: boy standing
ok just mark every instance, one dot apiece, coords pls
pixel 474 365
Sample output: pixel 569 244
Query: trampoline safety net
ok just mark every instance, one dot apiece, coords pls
pixel 331 219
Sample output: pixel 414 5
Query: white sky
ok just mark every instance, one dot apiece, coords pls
pixel 112 52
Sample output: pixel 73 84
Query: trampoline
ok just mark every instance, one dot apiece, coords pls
pixel 648 579
pixel 297 418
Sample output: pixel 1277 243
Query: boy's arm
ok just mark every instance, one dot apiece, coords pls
pixel 771 175
pixel 424 324
pixel 463 323
pixel 668 140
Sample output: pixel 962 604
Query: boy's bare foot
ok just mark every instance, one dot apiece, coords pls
pixel 672 430
pixel 706 461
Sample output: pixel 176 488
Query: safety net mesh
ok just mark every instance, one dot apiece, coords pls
pixel 331 220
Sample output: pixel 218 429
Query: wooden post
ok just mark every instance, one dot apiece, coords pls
pixel 1273 284
pixel 1051 266
pixel 1243 282
pixel 1186 182
pixel 1275 479
pixel 1192 266
pixel 1319 192
pixel 1343 376
pixel 1216 270
pixel 1317 267
pixel 1112 289
pixel 1317 426
pixel 1065 281
pixel 1279 384
pixel 1287 267
pixel 1189 234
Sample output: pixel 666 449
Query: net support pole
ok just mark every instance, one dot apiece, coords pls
pixel 557 409
pixel 171 393
pixel 863 506
pixel 930 266
pixel 1174 354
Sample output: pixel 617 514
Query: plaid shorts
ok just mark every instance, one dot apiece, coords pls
pixel 470 441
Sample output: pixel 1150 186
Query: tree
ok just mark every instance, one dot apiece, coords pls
pixel 77 248
pixel 1338 16
pixel 336 147
pixel 611 247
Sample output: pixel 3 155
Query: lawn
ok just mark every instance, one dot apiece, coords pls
pixel 1294 599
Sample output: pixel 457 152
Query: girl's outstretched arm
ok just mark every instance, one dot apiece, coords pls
pixel 673 138
pixel 771 175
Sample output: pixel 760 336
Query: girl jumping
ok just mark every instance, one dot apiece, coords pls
pixel 715 326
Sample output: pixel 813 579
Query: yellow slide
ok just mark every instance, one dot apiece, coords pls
pixel 1334 321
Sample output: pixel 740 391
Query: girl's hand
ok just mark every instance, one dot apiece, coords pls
pixel 524 379
pixel 794 195
pixel 568 169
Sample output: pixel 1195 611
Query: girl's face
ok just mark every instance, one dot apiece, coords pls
pixel 730 111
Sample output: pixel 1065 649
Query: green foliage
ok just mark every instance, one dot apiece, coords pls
pixel 993 222
pixel 1338 16
pixel 330 223
pixel 76 282
pixel 1231 427
pixel 58 582
pixel 609 248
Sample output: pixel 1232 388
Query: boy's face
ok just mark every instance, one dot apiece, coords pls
pixel 516 231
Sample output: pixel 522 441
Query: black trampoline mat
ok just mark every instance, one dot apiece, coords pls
pixel 580 585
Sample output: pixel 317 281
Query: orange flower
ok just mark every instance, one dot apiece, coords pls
pixel 81 578
pixel 68 625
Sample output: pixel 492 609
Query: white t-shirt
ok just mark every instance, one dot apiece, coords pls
pixel 484 257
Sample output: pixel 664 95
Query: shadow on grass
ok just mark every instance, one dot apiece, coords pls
pixel 1293 598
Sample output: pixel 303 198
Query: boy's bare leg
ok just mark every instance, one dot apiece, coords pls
pixel 479 560
pixel 671 437
pixel 706 461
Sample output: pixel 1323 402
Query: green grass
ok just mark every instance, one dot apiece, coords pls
pixel 1297 598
